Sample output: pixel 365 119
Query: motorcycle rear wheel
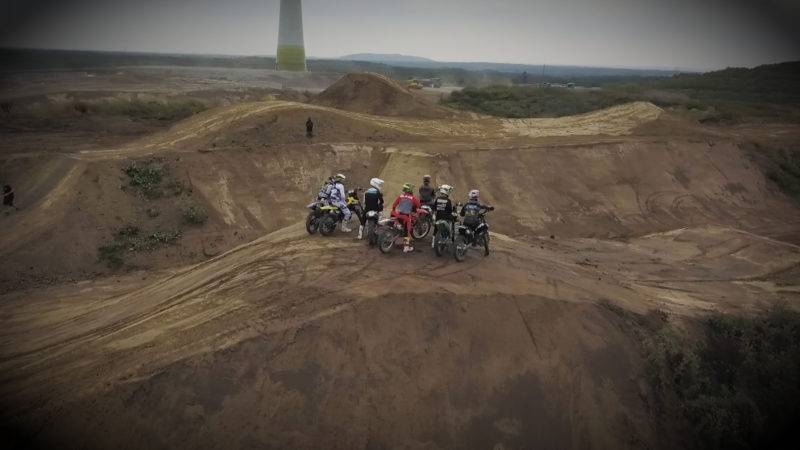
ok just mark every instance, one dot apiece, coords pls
pixel 327 225
pixel 386 240
pixel 312 223
pixel 372 232
pixel 460 249
pixel 440 245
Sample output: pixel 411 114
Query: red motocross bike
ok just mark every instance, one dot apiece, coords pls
pixel 394 231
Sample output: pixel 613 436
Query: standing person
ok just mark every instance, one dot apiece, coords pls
pixel 309 128
pixel 444 211
pixel 402 209
pixel 373 201
pixel 339 199
pixel 8 195
pixel 427 192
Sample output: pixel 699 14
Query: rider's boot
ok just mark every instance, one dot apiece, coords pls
pixel 407 245
pixel 360 231
pixel 345 228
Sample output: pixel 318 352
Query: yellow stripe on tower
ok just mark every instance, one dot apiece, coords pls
pixel 291 57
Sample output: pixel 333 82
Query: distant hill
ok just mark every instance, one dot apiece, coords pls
pixel 782 79
pixel 549 71
pixel 385 58
pixel 402 66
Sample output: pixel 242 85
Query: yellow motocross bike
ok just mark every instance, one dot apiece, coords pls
pixel 332 216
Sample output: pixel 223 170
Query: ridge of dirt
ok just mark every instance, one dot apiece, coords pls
pixel 376 94
pixel 295 345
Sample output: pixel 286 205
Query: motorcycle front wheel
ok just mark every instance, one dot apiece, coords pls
pixel 421 228
pixel 327 225
pixel 486 244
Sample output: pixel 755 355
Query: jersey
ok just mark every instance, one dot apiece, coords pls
pixel 426 196
pixel 373 200
pixel 470 212
pixel 405 204
pixel 444 209
pixel 337 193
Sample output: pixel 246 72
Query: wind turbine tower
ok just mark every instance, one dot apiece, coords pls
pixel 291 51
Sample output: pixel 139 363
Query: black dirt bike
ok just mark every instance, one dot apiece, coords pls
pixel 332 215
pixel 476 236
pixel 443 238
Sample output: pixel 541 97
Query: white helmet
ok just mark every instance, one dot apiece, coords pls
pixel 445 189
pixel 473 194
pixel 339 177
pixel 377 183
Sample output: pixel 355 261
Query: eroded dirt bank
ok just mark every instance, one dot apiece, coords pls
pixel 249 333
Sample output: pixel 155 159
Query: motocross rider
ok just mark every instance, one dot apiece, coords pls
pixel 470 210
pixel 373 201
pixel 444 210
pixel 324 194
pixel 427 193
pixel 402 209
pixel 338 198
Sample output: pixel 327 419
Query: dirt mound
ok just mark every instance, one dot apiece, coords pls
pixel 372 93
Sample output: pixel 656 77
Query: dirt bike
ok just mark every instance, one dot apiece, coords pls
pixel 472 236
pixel 443 239
pixel 371 227
pixel 314 216
pixel 394 230
pixel 332 215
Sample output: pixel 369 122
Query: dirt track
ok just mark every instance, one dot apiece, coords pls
pixel 294 341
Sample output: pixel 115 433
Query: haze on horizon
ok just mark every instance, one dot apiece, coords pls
pixel 685 34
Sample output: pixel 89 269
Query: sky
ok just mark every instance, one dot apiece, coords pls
pixel 682 34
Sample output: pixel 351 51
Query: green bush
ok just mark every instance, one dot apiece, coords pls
pixel 129 240
pixel 784 171
pixel 193 215
pixel 740 387
pixel 146 177
pixel 521 102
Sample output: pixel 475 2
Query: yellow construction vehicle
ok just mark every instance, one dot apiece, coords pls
pixel 411 83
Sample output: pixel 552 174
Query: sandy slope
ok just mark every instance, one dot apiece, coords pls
pixel 278 339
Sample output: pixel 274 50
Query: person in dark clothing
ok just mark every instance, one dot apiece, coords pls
pixel 8 195
pixel 373 201
pixel 445 212
pixel 472 208
pixel 309 128
pixel 426 192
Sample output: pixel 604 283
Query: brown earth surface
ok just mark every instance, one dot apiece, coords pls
pixel 249 333
pixel 373 93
